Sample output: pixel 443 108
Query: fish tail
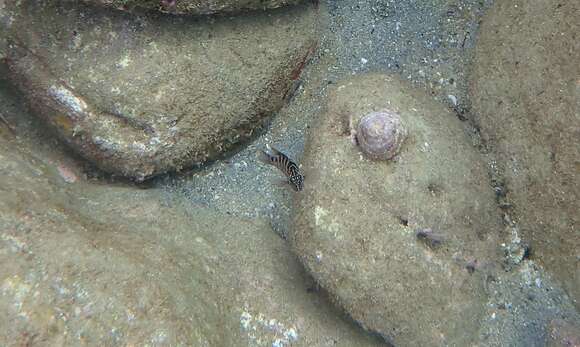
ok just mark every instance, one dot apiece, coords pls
pixel 275 152
pixel 270 153
pixel 264 157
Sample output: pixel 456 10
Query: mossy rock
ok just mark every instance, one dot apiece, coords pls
pixel 356 221
pixel 195 7
pixel 525 91
pixel 93 264
pixel 140 96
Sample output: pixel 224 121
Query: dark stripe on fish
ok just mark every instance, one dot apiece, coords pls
pixel 287 166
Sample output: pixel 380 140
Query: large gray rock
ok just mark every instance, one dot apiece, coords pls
pixel 139 96
pixel 195 7
pixel 89 264
pixel 525 91
pixel 356 220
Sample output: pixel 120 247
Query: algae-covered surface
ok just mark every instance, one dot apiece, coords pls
pixel 428 43
pixel 529 113
pixel 355 224
pixel 96 263
pixel 140 95
pixel 195 7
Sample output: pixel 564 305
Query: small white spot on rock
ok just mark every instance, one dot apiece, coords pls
pixel 155 140
pixel 261 329
pixel 130 315
pixel 453 99
pixel 124 62
pixel 291 335
pixel 160 337
pixel 67 174
pixel 319 213
pixel 318 256
pixel 66 98
pixel 245 320
pixel 139 146
pixel 76 41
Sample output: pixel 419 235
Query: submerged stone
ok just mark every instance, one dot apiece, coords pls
pixel 195 7
pixel 86 263
pixel 140 96
pixel 404 245
pixel 525 91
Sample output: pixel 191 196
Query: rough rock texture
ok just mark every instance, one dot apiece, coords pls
pixel 563 334
pixel 356 220
pixel 195 7
pixel 525 92
pixel 85 263
pixel 140 95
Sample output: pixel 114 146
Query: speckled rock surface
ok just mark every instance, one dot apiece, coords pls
pixel 563 334
pixel 195 7
pixel 356 221
pixel 525 91
pixel 87 263
pixel 142 95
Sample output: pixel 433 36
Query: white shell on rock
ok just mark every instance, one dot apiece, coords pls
pixel 380 134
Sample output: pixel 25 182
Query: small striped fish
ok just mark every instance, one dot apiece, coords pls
pixel 287 166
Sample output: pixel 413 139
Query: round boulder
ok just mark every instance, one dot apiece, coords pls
pixel 139 96
pixel 525 92
pixel 403 245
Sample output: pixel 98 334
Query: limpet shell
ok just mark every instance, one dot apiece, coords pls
pixel 381 134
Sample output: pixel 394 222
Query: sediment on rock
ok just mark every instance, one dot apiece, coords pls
pixel 142 96
pixel 525 93
pixel 358 221
pixel 195 7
